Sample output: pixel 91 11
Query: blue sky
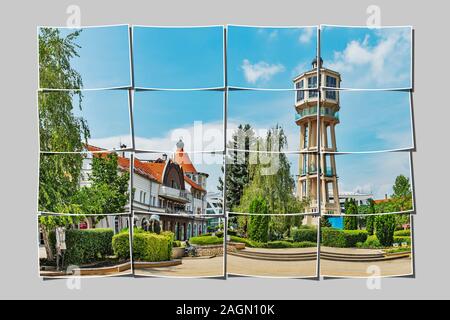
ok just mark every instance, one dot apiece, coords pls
pixel 368 58
pixel 104 60
pixel 258 58
pixel 269 57
pixel 161 118
pixel 178 57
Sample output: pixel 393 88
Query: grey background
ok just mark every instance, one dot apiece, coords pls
pixel 19 160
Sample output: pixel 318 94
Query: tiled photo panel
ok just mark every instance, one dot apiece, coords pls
pixel 178 57
pixel 178 246
pixel 368 58
pixel 178 198
pixel 162 118
pixel 75 121
pixel 272 246
pixel 366 121
pixel 288 182
pixel 366 183
pixel 84 245
pixel 85 58
pixel 253 114
pixel 270 57
pixel 94 183
pixel 367 246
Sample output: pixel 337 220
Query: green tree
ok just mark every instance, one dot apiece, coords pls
pixel 237 175
pixel 325 222
pixel 271 179
pixel 401 199
pixel 385 228
pixel 108 192
pixel 258 226
pixel 350 222
pixel 59 130
pixel 370 220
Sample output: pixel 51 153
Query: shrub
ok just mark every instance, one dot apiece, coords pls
pixel 342 238
pixel 248 242
pixel 85 246
pixel 333 238
pixel 300 235
pixel 372 242
pixel 209 240
pixel 278 244
pixel 400 240
pixel 258 226
pixel 147 246
pixel 205 235
pixel 402 233
pixel 304 244
pixel 177 244
pixel 384 229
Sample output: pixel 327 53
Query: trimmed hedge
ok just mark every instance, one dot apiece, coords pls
pixel 343 238
pixel 285 244
pixel 305 234
pixel 147 246
pixel 273 244
pixel 85 246
pixel 206 240
pixel 402 233
pixel 248 242
pixel 371 243
pixel 400 240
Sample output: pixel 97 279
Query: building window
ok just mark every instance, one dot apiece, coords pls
pixel 312 83
pixel 331 82
pixel 300 94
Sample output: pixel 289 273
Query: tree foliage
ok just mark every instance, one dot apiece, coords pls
pixel 270 178
pixel 385 228
pixel 59 129
pixel 108 191
pixel 258 227
pixel 237 175
pixel 351 208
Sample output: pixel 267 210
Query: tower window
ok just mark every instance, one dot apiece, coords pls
pixel 331 82
pixel 300 94
pixel 312 83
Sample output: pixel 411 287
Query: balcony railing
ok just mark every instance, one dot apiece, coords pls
pixel 312 111
pixel 175 194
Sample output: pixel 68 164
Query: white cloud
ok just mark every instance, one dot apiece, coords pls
pixel 383 64
pixel 306 35
pixel 260 71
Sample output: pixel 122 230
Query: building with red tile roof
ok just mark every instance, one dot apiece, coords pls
pixel 170 190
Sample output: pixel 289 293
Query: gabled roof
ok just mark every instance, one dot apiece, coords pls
pixel 193 184
pixel 153 170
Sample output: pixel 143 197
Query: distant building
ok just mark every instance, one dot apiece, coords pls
pixel 214 206
pixel 359 197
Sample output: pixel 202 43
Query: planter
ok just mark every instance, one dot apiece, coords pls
pixel 177 252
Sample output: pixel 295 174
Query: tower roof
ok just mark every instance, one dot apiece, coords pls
pixel 182 158
pixel 314 62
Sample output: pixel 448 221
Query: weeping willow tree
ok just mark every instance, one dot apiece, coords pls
pixel 270 179
pixel 59 130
